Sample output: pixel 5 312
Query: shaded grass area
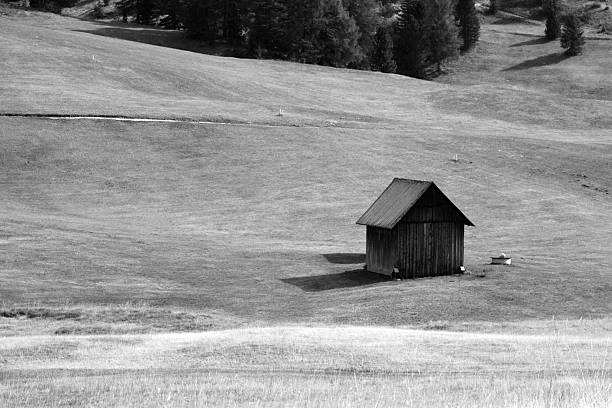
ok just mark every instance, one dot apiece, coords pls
pixel 347 279
pixel 535 41
pixel 554 58
pixel 158 37
pixel 118 319
pixel 35 313
pixel 345 258
pixel 526 8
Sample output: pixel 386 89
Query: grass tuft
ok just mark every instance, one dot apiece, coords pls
pixel 437 325
pixel 39 313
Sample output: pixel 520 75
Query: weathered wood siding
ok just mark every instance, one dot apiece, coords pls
pixel 429 248
pixel 433 207
pixel 380 250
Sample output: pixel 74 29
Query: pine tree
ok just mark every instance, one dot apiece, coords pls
pixel 492 7
pixel 300 33
pixel 201 20
pixel 469 26
pixel 442 34
pixel 337 35
pixel 427 37
pixel 383 59
pixel 126 7
pixel 553 23
pixel 144 11
pixel 571 35
pixel 98 10
pixel 366 16
pixel 173 12
pixel 232 21
pixel 411 49
pixel 388 9
pixel 267 29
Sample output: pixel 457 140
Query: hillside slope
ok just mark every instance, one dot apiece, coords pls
pixel 55 65
pixel 254 220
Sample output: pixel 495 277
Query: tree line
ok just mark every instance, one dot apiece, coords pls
pixel 411 37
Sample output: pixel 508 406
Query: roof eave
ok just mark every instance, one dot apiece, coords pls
pixel 376 226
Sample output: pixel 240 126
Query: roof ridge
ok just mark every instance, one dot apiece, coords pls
pixel 412 180
pixel 398 198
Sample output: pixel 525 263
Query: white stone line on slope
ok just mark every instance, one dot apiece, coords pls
pixel 189 121
pixel 126 119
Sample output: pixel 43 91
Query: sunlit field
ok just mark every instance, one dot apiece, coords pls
pixel 295 366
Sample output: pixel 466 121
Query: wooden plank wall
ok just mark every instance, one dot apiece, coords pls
pixel 429 249
pixel 381 249
pixel 433 213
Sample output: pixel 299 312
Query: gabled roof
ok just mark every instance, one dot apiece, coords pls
pixel 397 199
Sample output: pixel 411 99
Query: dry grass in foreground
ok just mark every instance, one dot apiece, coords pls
pixel 298 366
pixel 155 389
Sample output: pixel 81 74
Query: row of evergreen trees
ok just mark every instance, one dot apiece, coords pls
pixel 432 31
pixel 411 37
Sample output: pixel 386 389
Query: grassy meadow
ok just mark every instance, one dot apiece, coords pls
pixel 219 264
pixel 298 366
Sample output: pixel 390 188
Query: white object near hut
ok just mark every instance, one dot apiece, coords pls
pixel 501 260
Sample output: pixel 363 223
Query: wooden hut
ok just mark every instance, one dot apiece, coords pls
pixel 414 228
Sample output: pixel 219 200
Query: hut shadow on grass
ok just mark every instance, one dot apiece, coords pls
pixel 344 258
pixel 549 59
pixel 347 279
